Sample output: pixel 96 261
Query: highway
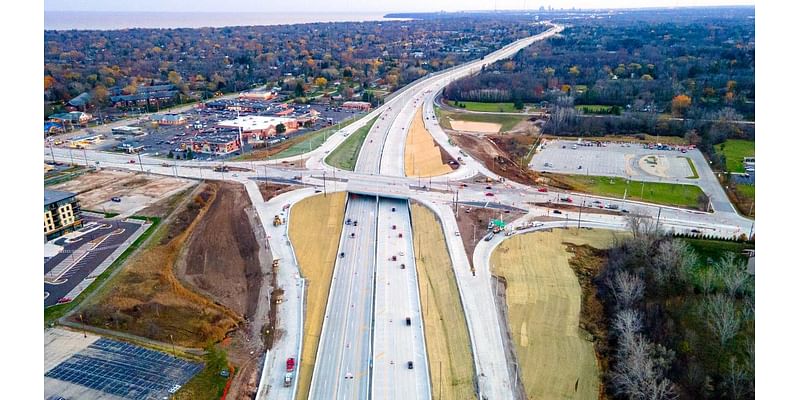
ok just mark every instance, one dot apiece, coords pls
pixel 342 369
pixel 356 304
pixel 396 341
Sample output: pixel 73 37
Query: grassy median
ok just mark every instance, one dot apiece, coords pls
pixel 668 194
pixel 446 336
pixel 346 155
pixel 315 226
pixel 543 295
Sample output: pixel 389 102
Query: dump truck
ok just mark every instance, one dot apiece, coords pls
pixel 276 221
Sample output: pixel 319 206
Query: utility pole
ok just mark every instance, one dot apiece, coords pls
pixel 53 155
pixel 138 154
pixel 324 186
pixel 85 159
pixel 71 160
pixel 580 211
pixel 658 218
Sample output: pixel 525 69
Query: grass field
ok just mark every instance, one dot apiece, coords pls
pixel 314 228
pixel 311 140
pixel 734 151
pixel 543 295
pixel 507 122
pixel 423 156
pixel 593 108
pixel 669 194
pixel 485 107
pixel 208 384
pixel 346 154
pixel 446 336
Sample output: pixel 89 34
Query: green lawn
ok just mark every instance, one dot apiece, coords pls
pixel 311 141
pixel 734 151
pixel 694 170
pixel 51 314
pixel 594 108
pixel 208 384
pixel 670 194
pixel 748 191
pixel 346 154
pixel 485 107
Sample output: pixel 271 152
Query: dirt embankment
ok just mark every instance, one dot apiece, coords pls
pixel 473 222
pixel 489 149
pixel 147 299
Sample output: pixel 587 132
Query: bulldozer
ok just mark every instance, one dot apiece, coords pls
pixel 277 221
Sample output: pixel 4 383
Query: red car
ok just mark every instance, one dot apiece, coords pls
pixel 290 364
pixel 490 194
pixel 566 199
pixel 542 189
pixel 132 161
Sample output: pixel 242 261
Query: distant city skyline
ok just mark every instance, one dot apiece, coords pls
pixel 366 6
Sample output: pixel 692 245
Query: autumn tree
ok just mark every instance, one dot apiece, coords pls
pixel 680 104
pixel 321 82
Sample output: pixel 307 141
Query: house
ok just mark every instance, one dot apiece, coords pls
pixel 80 101
pixel 62 213
pixel 168 119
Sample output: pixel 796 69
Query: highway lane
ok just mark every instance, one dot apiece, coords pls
pixel 342 370
pixel 397 298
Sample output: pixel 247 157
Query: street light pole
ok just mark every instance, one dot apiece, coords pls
pixel 138 154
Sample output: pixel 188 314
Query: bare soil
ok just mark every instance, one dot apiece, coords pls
pixel 223 259
pixel 477 219
pixel 270 190
pixel 489 150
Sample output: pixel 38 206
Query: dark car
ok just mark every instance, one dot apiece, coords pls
pixel 408 321
pixel 341 255
pixel 116 199
pixel 556 212
pixel 410 365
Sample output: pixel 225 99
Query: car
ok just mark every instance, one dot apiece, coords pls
pixel 132 161
pixel 116 199
pixel 597 202
pixel 566 199
pixel 538 224
pixel 317 191
pixel 394 227
pixel 355 223
pixel 400 234
pixel 235 175
pixel 458 233
pixel 542 190
pixel 64 300
pixel 624 211
pixel 695 231
pixel 392 209
pixel 410 365
pixel 556 211
pixel 341 255
pixel 352 235
pixel 490 194
pixel 488 188
pixel 348 221
pixel 408 321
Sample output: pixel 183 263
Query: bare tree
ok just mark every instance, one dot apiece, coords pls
pixel 627 289
pixel 735 379
pixel 673 260
pixel 706 277
pixel 722 318
pixel 733 273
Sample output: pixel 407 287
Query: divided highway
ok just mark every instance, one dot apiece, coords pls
pixel 342 369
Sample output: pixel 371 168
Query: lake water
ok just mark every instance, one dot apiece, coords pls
pixel 66 20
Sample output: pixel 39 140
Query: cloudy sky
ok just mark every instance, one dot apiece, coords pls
pixel 351 6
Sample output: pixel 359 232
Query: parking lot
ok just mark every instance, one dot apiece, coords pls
pixel 201 124
pixel 81 366
pixel 669 164
pixel 76 265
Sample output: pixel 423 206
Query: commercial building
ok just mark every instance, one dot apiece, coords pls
pixel 356 105
pixel 130 147
pixel 168 119
pixel 71 118
pixel 257 95
pixel 80 142
pixel 259 127
pixel 62 213
pixel 128 130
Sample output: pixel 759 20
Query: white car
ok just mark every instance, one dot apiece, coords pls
pixel 458 233
pixel 537 224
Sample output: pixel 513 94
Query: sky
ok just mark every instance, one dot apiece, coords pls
pixel 354 6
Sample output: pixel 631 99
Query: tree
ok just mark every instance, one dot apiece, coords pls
pixel 174 78
pixel 518 104
pixel 100 94
pixel 626 288
pixel 680 104
pixel 321 82
pixel 721 316
pixel 733 274
pixel 298 90
pixel 280 128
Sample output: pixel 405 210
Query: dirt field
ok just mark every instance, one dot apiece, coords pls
pixel 135 190
pixel 423 157
pixel 486 149
pixel 543 295
pixel 481 127
pixel 446 336
pixel 315 226
pixel 270 190
pixel 472 225
pixel 147 299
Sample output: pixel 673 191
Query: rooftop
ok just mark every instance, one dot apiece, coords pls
pixel 53 196
pixel 255 122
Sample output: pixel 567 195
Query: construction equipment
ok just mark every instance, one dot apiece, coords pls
pixel 275 263
pixel 277 221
